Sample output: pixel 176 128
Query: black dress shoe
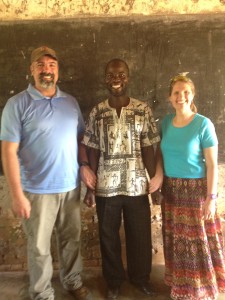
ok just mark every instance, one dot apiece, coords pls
pixel 113 293
pixel 145 288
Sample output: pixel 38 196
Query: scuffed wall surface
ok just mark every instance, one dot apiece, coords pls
pixel 155 48
pixel 35 9
pixel 13 242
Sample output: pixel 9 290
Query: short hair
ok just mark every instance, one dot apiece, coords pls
pixel 117 60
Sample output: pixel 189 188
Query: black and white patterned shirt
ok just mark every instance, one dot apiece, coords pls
pixel 121 169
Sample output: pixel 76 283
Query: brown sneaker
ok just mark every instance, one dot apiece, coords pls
pixel 82 293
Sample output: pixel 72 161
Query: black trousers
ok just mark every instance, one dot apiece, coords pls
pixel 137 225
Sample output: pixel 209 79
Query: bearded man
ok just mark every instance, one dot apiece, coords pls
pixel 40 132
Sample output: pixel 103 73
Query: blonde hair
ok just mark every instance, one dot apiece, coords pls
pixel 183 78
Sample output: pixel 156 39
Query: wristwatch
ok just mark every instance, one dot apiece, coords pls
pixel 212 196
pixel 84 163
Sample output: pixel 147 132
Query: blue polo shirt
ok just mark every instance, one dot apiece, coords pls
pixel 182 147
pixel 46 130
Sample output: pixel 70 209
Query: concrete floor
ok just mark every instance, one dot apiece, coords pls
pixel 13 286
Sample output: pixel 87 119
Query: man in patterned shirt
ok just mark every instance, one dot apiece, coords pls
pixel 120 133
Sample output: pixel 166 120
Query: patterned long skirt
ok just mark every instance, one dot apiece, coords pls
pixel 193 248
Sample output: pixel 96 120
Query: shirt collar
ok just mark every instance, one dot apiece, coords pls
pixel 36 95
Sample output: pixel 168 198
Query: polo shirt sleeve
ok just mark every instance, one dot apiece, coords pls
pixel 81 125
pixel 11 124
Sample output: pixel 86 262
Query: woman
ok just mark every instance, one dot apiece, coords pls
pixel 192 234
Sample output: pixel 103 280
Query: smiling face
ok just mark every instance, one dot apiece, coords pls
pixel 45 73
pixel 182 95
pixel 116 78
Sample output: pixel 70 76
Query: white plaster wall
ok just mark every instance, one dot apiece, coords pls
pixel 42 9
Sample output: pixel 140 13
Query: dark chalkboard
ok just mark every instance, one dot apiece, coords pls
pixel 155 48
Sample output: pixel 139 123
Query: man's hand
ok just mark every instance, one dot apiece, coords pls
pixel 89 198
pixel 155 184
pixel 88 177
pixel 21 207
pixel 157 197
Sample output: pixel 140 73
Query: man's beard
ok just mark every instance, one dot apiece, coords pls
pixel 46 83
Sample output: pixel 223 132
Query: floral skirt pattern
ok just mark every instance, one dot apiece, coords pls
pixel 193 248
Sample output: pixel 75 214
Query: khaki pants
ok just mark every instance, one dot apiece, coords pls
pixel 62 212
